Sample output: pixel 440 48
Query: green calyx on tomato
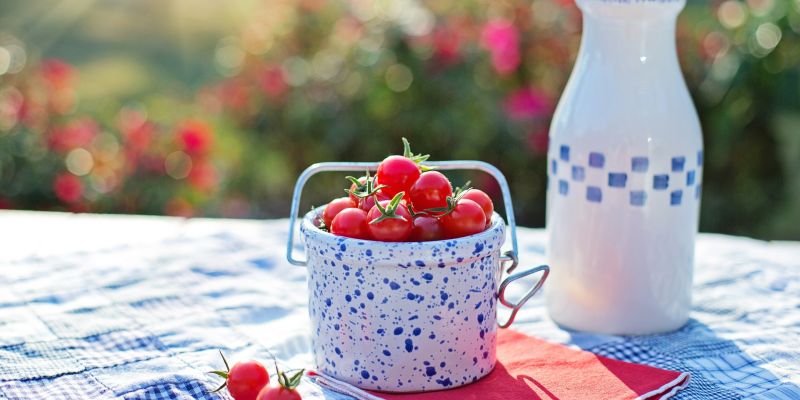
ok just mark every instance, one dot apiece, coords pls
pixel 452 201
pixel 367 188
pixel 222 374
pixel 416 158
pixel 390 210
pixel 289 382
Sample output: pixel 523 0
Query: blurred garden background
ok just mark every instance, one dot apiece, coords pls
pixel 212 108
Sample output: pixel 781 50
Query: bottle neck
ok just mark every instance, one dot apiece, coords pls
pixel 629 44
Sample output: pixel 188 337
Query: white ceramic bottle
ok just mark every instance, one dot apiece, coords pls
pixel 625 167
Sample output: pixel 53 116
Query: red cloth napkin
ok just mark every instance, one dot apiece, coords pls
pixel 531 368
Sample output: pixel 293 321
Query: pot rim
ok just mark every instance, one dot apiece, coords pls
pixel 308 224
pixel 435 252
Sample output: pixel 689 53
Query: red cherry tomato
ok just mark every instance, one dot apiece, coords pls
pixel 351 222
pixel 246 379
pixel 335 207
pixel 426 229
pixel 398 173
pixel 430 191
pixel 362 180
pixel 278 393
pixel 483 200
pixel 467 218
pixel 367 203
pixel 390 229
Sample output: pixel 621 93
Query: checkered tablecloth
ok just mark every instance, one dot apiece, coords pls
pixel 136 307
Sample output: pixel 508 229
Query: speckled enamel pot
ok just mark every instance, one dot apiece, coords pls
pixel 404 316
pixel 413 316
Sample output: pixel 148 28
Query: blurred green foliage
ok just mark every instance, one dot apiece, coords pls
pixel 213 109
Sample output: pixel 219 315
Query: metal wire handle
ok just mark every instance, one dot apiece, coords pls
pixel 501 291
pixel 362 166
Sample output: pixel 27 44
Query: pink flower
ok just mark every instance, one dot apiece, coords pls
pixel 203 176
pixel 273 82
pixel 137 131
pixel 139 138
pixel 57 73
pixel 137 142
pixel 501 38
pixel 77 133
pixel 68 188
pixel 195 137
pixel 527 104
pixel 447 45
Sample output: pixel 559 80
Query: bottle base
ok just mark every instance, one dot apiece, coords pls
pixel 634 328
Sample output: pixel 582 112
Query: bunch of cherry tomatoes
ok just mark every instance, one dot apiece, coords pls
pixel 249 380
pixel 407 201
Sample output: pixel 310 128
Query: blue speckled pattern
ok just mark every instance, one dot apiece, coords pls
pixel 404 316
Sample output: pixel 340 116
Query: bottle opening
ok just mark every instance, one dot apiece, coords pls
pixel 631 9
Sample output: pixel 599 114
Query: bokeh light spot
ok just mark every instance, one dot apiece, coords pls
pixel 103 180
pixel 725 68
pixel 761 8
pixel 295 69
pixel 716 44
pixel 768 35
pixel 229 57
pixel 398 77
pixel 256 39
pixel 18 58
pixel 732 14
pixel 326 65
pixel 5 60
pixel 178 165
pixel 414 19
pixel 79 162
pixel 351 85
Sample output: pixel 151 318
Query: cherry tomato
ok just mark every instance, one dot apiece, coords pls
pixel 430 191
pixel 467 218
pixel 426 229
pixel 392 226
pixel 246 379
pixel 351 222
pixel 278 393
pixel 335 207
pixel 398 173
pixel 367 203
pixel 362 181
pixel 483 200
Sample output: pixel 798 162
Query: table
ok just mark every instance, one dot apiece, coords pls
pixel 102 306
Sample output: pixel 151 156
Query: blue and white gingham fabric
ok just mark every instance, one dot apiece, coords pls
pixel 141 316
